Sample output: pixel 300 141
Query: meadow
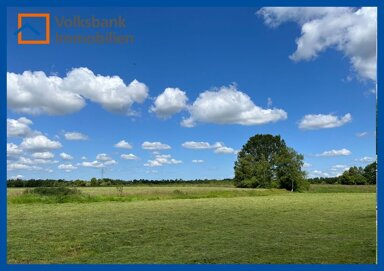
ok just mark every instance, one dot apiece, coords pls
pixel 194 224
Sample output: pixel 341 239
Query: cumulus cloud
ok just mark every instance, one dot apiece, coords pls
pixel 197 161
pixel 13 150
pixel 196 145
pixel 352 31
pixel 341 152
pixel 318 173
pixel 39 143
pixel 123 145
pixel 103 157
pixel 75 136
pixel 155 146
pixel 94 164
pixel 17 177
pixel 67 167
pixel 43 155
pixel 19 127
pixel 366 159
pixel 26 92
pixel 307 165
pixel 225 150
pixel 170 102
pixel 218 147
pixel 227 105
pixel 162 159
pixel 129 156
pixel 109 91
pixel 320 121
pixel 65 156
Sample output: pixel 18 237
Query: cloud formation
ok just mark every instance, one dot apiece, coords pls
pixel 75 136
pixel 129 156
pixel 352 31
pixel 170 102
pixel 123 145
pixel 26 92
pixel 162 159
pixel 320 121
pixel 19 127
pixel 227 105
pixel 39 143
pixel 331 153
pixel 156 146
pixel 65 156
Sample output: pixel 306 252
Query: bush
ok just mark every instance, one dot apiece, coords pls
pixel 53 191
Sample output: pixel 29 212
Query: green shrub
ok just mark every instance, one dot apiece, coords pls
pixel 53 191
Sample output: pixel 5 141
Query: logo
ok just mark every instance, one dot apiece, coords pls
pixel 27 25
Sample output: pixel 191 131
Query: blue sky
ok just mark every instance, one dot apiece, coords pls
pixel 226 73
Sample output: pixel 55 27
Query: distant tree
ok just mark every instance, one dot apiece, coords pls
pixel 265 160
pixel 370 173
pixel 354 175
pixel 288 170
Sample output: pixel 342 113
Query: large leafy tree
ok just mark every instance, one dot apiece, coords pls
pixel 265 161
pixel 370 173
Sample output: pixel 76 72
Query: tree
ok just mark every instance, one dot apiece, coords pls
pixel 354 175
pixel 266 161
pixel 370 173
pixel 288 170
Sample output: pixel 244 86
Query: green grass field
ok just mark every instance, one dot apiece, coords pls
pixel 328 224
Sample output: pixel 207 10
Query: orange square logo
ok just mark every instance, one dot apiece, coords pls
pixel 20 28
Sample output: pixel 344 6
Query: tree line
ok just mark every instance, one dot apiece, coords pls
pixel 94 182
pixel 354 175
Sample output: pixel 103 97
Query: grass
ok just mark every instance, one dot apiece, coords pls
pixel 278 227
pixel 128 194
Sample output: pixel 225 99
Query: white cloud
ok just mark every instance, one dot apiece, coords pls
pixel 170 102
pixel 339 168
pixel 39 143
pixel 17 177
pixel 13 150
pixel 22 164
pixel 129 156
pixel 110 91
pixel 228 105
pixel 26 92
pixel 162 159
pixel 307 165
pixel 362 134
pixel 75 136
pixel 103 157
pixel 313 122
pixel 83 158
pixel 366 159
pixel 19 127
pixel 218 147
pixel 197 161
pixel 43 155
pixel 155 146
pixel 196 145
pixel 110 162
pixel 352 31
pixel 67 167
pixel 225 150
pixel 318 173
pixel 342 152
pixel 94 164
pixel 123 145
pixel 65 156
